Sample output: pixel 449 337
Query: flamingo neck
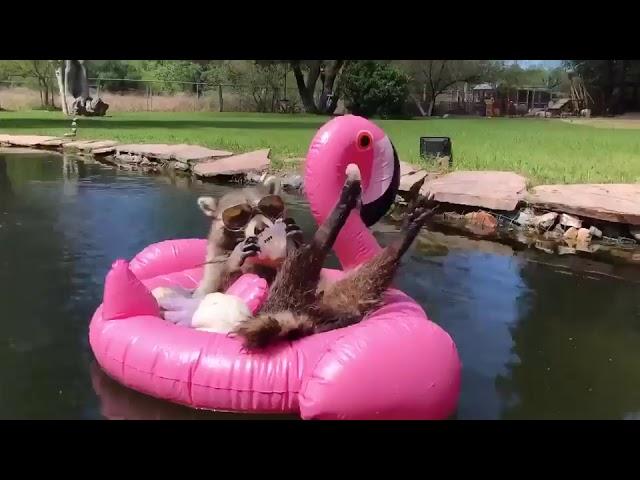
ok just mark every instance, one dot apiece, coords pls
pixel 330 152
pixel 355 243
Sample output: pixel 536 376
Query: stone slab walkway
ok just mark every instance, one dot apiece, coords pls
pixel 236 164
pixel 182 152
pixel 410 175
pixel 485 189
pixel 91 145
pixel 610 202
pixel 30 140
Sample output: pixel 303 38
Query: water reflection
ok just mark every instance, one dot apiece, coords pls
pixel 40 362
pixel 540 337
pixel 72 171
pixel 5 182
pixel 537 340
pixel 577 348
pixel 120 403
pixel 474 295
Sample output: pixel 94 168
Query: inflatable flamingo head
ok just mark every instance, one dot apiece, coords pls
pixel 347 140
pixel 341 143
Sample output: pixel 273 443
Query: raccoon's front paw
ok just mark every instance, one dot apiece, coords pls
pixel 293 230
pixel 421 211
pixel 351 192
pixel 245 249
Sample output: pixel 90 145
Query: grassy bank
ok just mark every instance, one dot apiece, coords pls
pixel 546 151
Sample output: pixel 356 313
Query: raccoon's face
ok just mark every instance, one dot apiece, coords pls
pixel 245 212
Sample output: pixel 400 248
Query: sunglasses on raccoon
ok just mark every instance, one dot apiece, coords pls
pixel 237 217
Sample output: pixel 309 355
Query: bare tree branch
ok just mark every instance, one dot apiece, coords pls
pixel 438 77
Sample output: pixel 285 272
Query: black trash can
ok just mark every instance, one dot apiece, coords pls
pixel 434 147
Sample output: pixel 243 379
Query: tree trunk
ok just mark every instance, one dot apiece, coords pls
pixel 61 89
pixel 84 81
pixel 419 105
pixel 40 90
pixel 432 103
pixel 328 99
pixel 75 78
pixel 617 87
pixel 66 87
pixel 307 89
pixel 220 99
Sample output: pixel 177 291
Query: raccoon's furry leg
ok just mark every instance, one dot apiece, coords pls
pixel 348 300
pixel 293 293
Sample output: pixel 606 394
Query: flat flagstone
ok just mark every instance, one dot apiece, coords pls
pixel 617 202
pixel 182 152
pixel 236 164
pixel 492 190
pixel 27 140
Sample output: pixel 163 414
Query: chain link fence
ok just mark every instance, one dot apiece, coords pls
pixel 126 95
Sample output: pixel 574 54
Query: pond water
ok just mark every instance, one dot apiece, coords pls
pixel 540 338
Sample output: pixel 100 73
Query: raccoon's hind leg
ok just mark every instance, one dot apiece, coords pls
pixel 285 314
pixel 348 300
pixel 298 277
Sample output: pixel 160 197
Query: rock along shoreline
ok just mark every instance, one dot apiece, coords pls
pixel 598 220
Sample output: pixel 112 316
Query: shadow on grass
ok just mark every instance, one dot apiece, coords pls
pixel 49 123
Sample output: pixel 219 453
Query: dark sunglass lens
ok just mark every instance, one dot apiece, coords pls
pixel 236 217
pixel 271 206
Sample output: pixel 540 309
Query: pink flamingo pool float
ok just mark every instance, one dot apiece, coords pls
pixel 395 364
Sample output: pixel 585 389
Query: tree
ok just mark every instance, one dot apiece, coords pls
pixel 44 72
pixel 173 75
pixel 72 79
pixel 39 71
pixel 509 78
pixel 374 88
pixel 261 81
pixel 216 72
pixel 558 79
pixel 306 74
pixel 430 78
pixel 59 72
pixel 115 69
pixel 514 76
pixel 613 84
pixel 325 70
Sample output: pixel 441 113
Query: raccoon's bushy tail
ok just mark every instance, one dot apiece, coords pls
pixel 268 328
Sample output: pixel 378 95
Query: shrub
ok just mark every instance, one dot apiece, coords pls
pixel 373 88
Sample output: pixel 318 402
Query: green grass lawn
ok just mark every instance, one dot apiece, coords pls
pixel 546 151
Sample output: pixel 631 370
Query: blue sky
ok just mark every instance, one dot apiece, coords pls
pixel 543 63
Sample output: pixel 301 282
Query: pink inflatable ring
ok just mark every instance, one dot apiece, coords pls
pixel 395 364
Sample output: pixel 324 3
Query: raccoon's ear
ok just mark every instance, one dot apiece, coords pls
pixel 208 206
pixel 273 184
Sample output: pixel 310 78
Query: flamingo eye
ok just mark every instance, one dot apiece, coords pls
pixel 364 140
